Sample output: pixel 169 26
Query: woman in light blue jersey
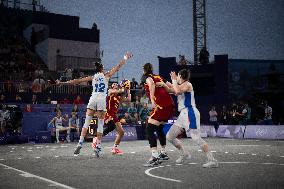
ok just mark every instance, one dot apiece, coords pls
pixel 189 117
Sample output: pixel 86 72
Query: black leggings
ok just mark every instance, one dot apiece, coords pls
pixel 110 127
pixel 151 129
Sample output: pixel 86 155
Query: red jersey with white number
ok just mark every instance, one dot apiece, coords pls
pixel 161 96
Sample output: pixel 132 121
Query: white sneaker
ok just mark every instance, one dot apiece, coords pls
pixel 182 158
pixel 210 164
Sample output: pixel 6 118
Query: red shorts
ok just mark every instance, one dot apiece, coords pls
pixel 111 116
pixel 162 114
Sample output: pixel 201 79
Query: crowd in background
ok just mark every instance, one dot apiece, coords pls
pixel 242 114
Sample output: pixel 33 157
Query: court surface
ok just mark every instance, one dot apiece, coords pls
pixel 243 164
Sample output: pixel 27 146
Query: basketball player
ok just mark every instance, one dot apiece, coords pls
pixel 115 96
pixel 58 123
pixel 188 119
pixel 97 102
pixel 163 109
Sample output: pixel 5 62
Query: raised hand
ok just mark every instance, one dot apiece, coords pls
pixel 127 56
pixel 173 75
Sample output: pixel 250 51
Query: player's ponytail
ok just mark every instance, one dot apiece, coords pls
pixel 98 67
pixel 148 69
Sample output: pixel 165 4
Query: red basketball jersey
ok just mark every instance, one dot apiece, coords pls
pixel 161 96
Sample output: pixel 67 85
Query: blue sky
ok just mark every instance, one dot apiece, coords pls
pixel 248 29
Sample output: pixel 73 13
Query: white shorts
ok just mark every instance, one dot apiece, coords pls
pixel 97 102
pixel 189 118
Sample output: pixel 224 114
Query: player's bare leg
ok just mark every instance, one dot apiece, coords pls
pixel 89 116
pixel 120 134
pixel 172 135
pixel 98 149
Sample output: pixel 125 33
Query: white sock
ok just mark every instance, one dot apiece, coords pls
pixel 181 151
pixel 155 153
pixel 115 145
pixel 210 156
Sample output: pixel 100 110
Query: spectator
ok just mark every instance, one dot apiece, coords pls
pixel 38 72
pixel 58 122
pixel 4 117
pixel 38 85
pixel 182 60
pixel 69 73
pixel 75 109
pixel 65 101
pixel 74 125
pixel 21 88
pixel 2 99
pixel 131 110
pixel 135 119
pixel 78 100
pixel 18 99
pixel 144 112
pixel 204 56
pixel 57 108
pixel 137 103
pixel 144 99
pixel 28 108
pixel 213 118
pixel 224 115
pixel 48 100
pixel 126 119
pixel 268 114
pixel 245 115
pixel 233 118
pixel 34 99
pixel 133 86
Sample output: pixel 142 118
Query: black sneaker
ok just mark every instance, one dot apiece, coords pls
pixel 152 162
pixel 77 151
pixel 163 156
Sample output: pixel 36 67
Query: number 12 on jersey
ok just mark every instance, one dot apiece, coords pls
pixel 100 87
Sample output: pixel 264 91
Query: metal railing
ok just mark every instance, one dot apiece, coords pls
pixel 30 87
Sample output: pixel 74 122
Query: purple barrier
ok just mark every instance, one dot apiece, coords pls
pixel 209 130
pixel 129 134
pixel 231 131
pixel 265 131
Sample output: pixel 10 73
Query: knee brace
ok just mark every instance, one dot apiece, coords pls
pixel 151 135
pixel 195 135
pixel 110 126
pixel 87 121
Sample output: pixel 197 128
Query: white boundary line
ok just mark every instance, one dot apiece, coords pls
pixel 147 172
pixel 26 174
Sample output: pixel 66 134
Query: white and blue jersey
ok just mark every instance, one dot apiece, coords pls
pixel 189 117
pixel 100 87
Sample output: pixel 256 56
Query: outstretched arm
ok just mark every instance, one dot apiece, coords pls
pixel 115 91
pixel 168 86
pixel 76 81
pixel 126 57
